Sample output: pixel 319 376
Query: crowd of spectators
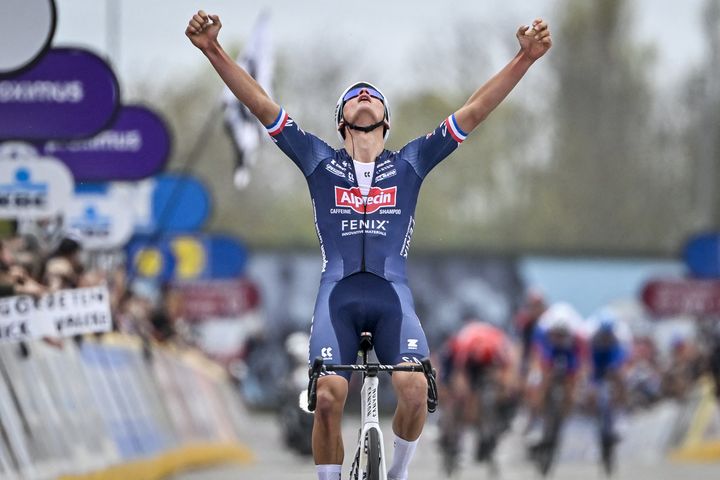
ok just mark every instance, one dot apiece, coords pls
pixel 36 264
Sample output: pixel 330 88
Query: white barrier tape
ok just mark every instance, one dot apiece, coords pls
pixel 60 314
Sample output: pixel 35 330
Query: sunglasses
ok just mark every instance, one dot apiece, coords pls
pixel 356 92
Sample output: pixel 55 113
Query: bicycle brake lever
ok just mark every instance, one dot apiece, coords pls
pixel 314 374
pixel 430 375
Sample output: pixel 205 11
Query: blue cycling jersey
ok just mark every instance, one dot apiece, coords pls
pixel 607 359
pixel 372 233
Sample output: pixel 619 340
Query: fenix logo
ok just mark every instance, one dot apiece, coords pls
pixel 377 198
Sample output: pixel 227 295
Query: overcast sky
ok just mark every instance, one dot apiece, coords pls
pixel 151 44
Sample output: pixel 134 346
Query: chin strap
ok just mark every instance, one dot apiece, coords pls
pixel 369 128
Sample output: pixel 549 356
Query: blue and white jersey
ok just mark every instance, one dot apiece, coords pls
pixel 364 233
pixel 610 343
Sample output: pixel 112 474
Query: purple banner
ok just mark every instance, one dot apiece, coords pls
pixel 136 146
pixel 70 93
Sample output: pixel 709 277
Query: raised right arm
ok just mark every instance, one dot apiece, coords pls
pixel 202 30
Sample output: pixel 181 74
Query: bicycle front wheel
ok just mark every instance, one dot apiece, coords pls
pixel 373 455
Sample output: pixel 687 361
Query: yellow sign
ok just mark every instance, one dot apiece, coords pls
pixel 190 257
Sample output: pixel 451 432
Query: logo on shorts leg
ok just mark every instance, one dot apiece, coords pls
pixel 411 360
pixel 326 353
pixel 412 343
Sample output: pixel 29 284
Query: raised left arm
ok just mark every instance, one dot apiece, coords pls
pixel 534 42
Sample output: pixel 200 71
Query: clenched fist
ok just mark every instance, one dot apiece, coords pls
pixel 202 29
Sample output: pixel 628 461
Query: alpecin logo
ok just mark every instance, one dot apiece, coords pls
pixel 377 198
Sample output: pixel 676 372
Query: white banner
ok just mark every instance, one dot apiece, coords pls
pixel 104 219
pixel 34 187
pixel 61 314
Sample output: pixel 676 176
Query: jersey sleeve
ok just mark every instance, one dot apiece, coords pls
pixel 541 345
pixel 303 148
pixel 425 152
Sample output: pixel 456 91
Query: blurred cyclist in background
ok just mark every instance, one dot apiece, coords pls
pixel 525 321
pixel 610 348
pixel 610 342
pixel 364 199
pixel 558 349
pixel 479 385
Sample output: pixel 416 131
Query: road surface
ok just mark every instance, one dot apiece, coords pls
pixel 637 460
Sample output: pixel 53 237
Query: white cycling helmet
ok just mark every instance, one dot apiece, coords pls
pixel 561 318
pixel 341 104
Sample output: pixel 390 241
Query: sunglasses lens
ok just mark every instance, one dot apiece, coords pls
pixel 356 91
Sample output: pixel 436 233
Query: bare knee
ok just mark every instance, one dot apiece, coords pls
pixel 331 395
pixel 411 389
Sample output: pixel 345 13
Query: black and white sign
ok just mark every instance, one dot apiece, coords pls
pixel 61 314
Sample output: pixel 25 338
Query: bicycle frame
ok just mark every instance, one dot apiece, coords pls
pixel 369 420
pixel 606 424
pixel 553 418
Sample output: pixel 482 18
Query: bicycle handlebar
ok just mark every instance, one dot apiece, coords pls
pixel 318 368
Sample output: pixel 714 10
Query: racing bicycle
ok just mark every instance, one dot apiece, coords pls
pixel 544 453
pixel 494 415
pixel 606 426
pixel 369 461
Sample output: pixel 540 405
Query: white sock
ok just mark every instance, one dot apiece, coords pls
pixel 402 455
pixel 328 472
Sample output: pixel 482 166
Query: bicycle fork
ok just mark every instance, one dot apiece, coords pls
pixel 370 437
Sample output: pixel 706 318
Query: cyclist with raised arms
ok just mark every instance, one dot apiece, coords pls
pixel 363 199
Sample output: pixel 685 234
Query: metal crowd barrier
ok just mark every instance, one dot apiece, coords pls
pixel 83 408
